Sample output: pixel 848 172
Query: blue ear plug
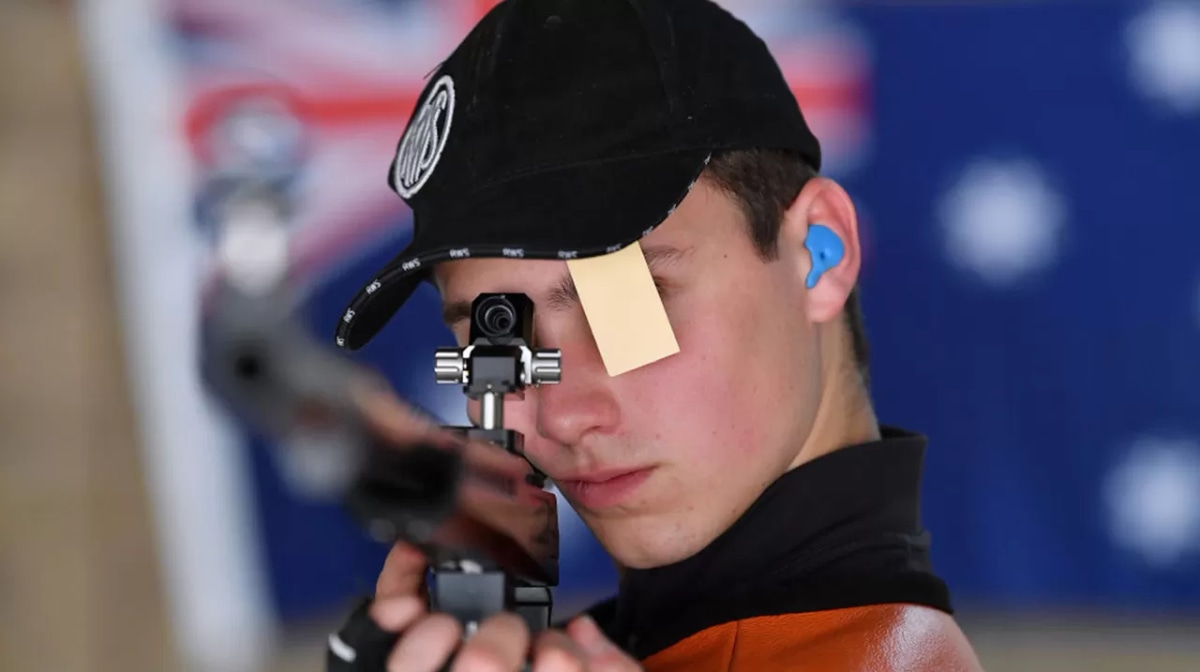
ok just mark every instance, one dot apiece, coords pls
pixel 826 250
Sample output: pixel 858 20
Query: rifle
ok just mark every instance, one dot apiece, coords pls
pixel 490 532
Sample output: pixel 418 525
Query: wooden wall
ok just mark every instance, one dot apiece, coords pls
pixel 79 577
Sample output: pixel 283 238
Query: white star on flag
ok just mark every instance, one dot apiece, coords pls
pixel 1153 498
pixel 1002 220
pixel 1164 53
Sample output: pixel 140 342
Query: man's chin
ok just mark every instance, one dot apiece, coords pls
pixel 643 542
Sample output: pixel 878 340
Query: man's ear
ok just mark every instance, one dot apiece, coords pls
pixel 825 203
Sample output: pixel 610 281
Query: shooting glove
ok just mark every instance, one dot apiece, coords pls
pixel 361 645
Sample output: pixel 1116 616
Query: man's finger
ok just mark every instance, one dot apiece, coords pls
pixel 556 652
pixel 403 572
pixel 601 654
pixel 426 646
pixel 397 613
pixel 499 645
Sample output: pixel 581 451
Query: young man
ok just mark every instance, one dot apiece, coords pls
pixel 761 517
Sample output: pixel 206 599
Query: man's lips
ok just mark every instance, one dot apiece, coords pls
pixel 597 475
pixel 603 488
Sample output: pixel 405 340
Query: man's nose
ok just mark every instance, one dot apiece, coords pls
pixel 583 401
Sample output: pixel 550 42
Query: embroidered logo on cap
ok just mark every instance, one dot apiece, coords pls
pixel 425 139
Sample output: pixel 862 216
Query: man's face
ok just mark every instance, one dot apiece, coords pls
pixel 708 428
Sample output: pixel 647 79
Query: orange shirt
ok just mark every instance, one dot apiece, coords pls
pixel 881 638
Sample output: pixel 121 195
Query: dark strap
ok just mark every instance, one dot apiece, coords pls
pixel 361 645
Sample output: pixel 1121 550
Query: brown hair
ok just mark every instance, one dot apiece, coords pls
pixel 764 183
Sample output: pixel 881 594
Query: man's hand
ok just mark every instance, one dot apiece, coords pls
pixel 501 644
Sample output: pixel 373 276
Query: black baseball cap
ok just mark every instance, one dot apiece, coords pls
pixel 563 129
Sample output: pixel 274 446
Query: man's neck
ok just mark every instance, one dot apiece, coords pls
pixel 845 415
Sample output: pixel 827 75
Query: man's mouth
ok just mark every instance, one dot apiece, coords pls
pixel 603 488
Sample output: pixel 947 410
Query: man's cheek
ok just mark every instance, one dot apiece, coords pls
pixel 669 375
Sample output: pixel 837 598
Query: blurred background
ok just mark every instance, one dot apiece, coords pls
pixel 1026 177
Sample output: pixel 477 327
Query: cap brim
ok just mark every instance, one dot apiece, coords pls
pixel 577 212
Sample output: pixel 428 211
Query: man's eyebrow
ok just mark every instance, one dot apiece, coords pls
pixel 455 312
pixel 564 294
pixel 662 255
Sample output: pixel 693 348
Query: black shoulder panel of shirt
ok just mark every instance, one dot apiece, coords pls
pixel 841 531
